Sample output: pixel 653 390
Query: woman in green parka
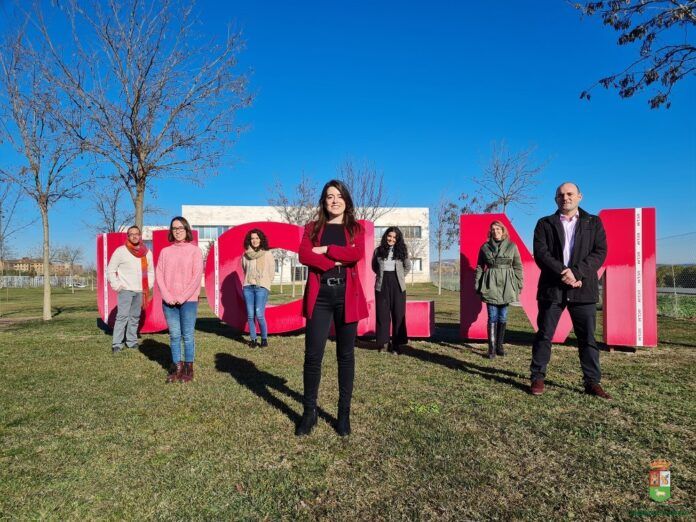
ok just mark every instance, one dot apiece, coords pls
pixel 498 281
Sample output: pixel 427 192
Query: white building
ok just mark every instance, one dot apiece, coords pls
pixel 213 220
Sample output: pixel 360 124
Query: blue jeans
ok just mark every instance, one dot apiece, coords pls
pixel 497 313
pixel 181 321
pixel 256 297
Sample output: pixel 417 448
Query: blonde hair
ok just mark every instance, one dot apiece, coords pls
pixel 499 224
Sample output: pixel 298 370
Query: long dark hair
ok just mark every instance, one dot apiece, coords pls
pixel 400 251
pixel 187 228
pixel 349 221
pixel 262 237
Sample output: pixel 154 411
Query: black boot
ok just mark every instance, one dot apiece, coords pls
pixel 500 340
pixel 307 422
pixel 343 424
pixel 492 328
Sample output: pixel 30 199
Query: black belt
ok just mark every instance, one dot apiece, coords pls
pixel 334 281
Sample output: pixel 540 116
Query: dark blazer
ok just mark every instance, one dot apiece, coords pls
pixel 589 252
pixel 355 305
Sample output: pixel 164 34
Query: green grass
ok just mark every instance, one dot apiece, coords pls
pixel 439 433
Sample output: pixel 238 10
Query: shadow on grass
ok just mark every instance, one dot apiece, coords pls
pixel 157 352
pixel 213 325
pixel 514 379
pixel 261 383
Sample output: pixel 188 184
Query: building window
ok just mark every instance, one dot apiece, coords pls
pixel 210 233
pixel 417 264
pixel 300 273
pixel 411 232
pixel 407 231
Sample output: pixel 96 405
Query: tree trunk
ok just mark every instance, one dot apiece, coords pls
pixel 46 266
pixel 139 204
pixel 439 270
pixel 292 275
pixel 282 266
pixel 72 282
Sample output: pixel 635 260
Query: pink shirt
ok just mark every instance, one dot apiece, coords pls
pixel 569 229
pixel 179 271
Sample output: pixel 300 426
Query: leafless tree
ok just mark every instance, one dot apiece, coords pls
pixel 10 225
pixel 298 207
pixel 33 112
pixel 665 57
pixel 444 231
pixel 70 255
pixel 158 100
pixel 108 208
pixel 370 197
pixel 417 247
pixel 509 177
pixel 280 255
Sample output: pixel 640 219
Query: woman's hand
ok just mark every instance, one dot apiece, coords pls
pixel 320 249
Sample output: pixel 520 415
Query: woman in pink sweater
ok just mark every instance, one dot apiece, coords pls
pixel 178 276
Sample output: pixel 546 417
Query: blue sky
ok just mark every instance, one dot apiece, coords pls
pixel 421 90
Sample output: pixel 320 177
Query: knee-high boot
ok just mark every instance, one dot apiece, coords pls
pixel 500 339
pixel 492 331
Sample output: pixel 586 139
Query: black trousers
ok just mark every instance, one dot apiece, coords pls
pixel 391 311
pixel 583 316
pixel 330 305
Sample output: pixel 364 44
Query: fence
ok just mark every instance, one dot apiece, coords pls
pixel 676 289
pixel 37 281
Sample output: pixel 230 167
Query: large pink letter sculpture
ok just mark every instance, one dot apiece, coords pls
pixel 153 318
pixel 224 277
pixel 630 293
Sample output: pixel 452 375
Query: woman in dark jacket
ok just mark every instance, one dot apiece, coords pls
pixel 391 264
pixel 498 281
pixel 331 247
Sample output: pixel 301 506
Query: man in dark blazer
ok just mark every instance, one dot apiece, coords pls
pixel 569 247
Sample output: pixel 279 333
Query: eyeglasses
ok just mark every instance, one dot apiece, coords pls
pixel 178 229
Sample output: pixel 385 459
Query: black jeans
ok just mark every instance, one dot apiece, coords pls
pixel 330 305
pixel 583 316
pixel 391 311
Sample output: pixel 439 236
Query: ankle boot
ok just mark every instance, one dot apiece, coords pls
pixel 175 372
pixel 187 375
pixel 492 329
pixel 307 422
pixel 500 339
pixel 343 424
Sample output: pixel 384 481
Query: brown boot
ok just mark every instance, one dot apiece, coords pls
pixel 187 376
pixel 175 372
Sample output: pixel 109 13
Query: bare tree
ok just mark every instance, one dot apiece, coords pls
pixel 280 255
pixel 444 231
pixel 33 112
pixel 417 247
pixel 509 178
pixel 297 207
pixel 366 185
pixel 661 27
pixel 158 100
pixel 109 211
pixel 70 255
pixel 10 197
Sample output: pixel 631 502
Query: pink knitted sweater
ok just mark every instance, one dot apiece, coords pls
pixel 179 270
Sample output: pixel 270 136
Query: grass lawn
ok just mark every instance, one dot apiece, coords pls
pixel 438 433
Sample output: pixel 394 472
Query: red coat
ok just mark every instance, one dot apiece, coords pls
pixel 349 255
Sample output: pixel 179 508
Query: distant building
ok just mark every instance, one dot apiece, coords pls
pixel 211 221
pixel 30 266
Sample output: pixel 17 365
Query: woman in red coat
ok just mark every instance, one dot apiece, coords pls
pixel 331 247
